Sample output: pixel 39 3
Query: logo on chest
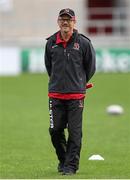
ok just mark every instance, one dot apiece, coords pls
pixel 76 46
pixel 54 46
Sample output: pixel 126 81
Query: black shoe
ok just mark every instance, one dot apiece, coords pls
pixel 60 167
pixel 68 171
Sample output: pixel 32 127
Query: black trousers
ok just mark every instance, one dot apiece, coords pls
pixel 66 114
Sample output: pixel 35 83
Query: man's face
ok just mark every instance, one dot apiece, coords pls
pixel 66 23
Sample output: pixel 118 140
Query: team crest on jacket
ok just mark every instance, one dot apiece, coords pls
pixel 76 46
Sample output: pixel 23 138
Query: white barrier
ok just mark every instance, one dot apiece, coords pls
pixel 14 60
pixel 10 61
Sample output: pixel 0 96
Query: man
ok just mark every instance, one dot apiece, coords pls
pixel 70 63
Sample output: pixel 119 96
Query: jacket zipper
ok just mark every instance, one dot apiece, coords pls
pixel 64 69
pixel 68 55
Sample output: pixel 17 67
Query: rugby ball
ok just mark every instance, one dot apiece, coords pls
pixel 115 110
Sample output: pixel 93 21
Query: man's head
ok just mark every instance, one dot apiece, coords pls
pixel 66 20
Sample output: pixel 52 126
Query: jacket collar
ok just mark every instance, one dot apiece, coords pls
pixel 59 40
pixel 54 36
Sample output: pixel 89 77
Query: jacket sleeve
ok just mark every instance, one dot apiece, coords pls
pixel 47 58
pixel 89 61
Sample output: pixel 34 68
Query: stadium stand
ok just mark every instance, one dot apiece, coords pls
pixel 28 22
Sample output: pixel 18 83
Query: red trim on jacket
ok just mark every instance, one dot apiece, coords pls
pixel 61 95
pixel 66 96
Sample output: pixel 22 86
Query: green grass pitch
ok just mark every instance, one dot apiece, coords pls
pixel 25 147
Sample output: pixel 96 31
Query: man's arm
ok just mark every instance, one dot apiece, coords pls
pixel 89 61
pixel 47 59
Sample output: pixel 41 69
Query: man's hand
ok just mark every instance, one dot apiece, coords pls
pixel 89 85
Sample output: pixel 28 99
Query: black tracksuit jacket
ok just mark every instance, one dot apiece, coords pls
pixel 72 67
